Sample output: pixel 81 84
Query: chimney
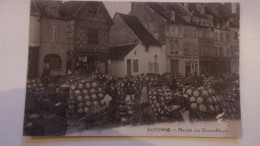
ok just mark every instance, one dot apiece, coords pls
pixel 133 5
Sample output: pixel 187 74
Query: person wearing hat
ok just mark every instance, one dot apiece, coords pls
pixel 177 105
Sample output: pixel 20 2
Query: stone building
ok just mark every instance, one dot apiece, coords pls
pixel 133 50
pixel 221 36
pixel 74 37
pixel 172 23
pixel 196 35
pixel 234 38
pixel 34 41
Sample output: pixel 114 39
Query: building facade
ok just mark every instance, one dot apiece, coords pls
pixel 74 37
pixel 133 50
pixel 34 41
pixel 196 35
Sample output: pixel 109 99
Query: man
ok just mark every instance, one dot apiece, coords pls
pixel 59 103
pixel 173 85
pixel 177 105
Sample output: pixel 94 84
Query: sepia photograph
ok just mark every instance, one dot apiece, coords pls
pixel 133 69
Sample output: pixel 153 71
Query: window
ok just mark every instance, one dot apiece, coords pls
pixel 227 52
pixel 146 48
pixel 215 51
pixel 92 35
pixel 195 50
pixel 227 37
pixel 221 51
pixel 235 36
pixel 191 50
pixel 153 67
pixel 194 33
pixel 221 37
pixel 174 66
pixel 206 53
pixel 231 50
pixel 173 31
pixel 189 33
pixel 186 50
pixel 215 37
pixel 174 45
pixel 93 10
pixel 185 32
pixel 180 31
pixel 135 63
pixel 54 33
pixel 53 11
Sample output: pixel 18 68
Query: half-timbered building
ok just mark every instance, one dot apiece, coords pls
pixel 74 38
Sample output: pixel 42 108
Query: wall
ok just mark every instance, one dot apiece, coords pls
pixel 145 57
pixel 205 38
pixel 172 39
pixel 34 34
pixel 58 47
pixel 85 21
pixel 224 44
pixel 117 67
pixel 128 37
pixel 235 53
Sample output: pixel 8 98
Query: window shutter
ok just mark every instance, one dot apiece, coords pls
pixel 135 65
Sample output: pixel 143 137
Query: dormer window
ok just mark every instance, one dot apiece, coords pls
pixel 172 15
pixel 53 11
pixel 93 10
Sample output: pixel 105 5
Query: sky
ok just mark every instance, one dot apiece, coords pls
pixel 121 7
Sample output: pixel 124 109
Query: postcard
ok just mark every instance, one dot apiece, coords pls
pixel 133 69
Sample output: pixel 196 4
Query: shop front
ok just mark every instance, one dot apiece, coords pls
pixel 207 66
pixel 191 67
pixel 215 66
pixel 85 63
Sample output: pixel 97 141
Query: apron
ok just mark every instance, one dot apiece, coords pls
pixel 144 95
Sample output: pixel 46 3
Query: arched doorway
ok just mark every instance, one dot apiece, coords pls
pixel 50 62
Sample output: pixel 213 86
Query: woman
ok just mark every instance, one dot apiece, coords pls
pixel 144 94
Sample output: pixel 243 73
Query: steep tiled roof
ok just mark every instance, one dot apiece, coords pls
pixel 219 13
pixel 66 9
pixel 179 11
pixel 34 7
pixel 119 52
pixel 69 9
pixel 140 31
pixel 177 8
pixel 43 4
pixel 158 9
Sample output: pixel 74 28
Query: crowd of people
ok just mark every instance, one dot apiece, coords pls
pixel 130 98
